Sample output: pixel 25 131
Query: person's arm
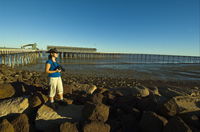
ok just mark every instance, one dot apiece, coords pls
pixel 48 67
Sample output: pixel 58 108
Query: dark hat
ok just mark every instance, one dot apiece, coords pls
pixel 53 51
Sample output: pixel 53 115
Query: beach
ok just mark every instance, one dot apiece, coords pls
pixel 106 100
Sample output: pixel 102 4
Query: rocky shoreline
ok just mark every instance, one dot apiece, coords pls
pixel 101 104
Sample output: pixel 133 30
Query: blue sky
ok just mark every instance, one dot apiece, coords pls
pixel 130 26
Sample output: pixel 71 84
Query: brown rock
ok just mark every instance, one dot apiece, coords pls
pixel 6 91
pixel 176 124
pixel 97 98
pixel 68 127
pixel 48 118
pixel 180 104
pixel 169 108
pixel 37 99
pixel 67 89
pixel 95 126
pixel 5 126
pixel 21 123
pixel 151 122
pixel 96 112
pixel 14 105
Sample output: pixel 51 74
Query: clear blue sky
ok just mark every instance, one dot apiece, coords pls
pixel 133 26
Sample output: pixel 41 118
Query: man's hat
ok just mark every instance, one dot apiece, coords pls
pixel 53 51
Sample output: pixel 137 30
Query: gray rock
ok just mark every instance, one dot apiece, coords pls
pixel 14 105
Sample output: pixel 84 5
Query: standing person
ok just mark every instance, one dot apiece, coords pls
pixel 55 81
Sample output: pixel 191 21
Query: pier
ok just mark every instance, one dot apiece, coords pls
pixel 23 56
pixel 17 56
pixel 91 53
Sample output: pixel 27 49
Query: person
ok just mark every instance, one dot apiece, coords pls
pixel 55 81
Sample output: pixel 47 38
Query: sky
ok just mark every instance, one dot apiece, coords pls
pixel 127 26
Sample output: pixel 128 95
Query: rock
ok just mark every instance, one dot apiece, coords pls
pixel 85 87
pixel 95 126
pixel 67 89
pixel 169 108
pixel 139 91
pixel 191 119
pixel 69 101
pixel 68 127
pixel 96 112
pixel 6 91
pixel 155 91
pixel 176 124
pixel 48 119
pixel 180 104
pixel 151 122
pixel 14 105
pixel 101 90
pixel 5 126
pixel 21 123
pixel 37 99
pixel 97 98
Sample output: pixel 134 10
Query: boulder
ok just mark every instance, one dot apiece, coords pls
pixel 151 122
pixel 48 118
pixel 21 123
pixel 89 89
pixel 67 89
pixel 139 91
pixel 95 126
pixel 97 98
pixel 191 119
pixel 176 124
pixel 68 127
pixel 6 91
pixel 37 99
pixel 96 112
pixel 14 105
pixel 5 126
pixel 179 105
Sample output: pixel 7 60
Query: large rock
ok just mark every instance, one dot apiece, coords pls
pixel 21 123
pixel 68 127
pixel 151 122
pixel 95 126
pixel 84 87
pixel 14 105
pixel 67 89
pixel 96 112
pixel 6 91
pixel 179 105
pixel 5 126
pixel 37 99
pixel 176 124
pixel 97 98
pixel 48 119
pixel 139 91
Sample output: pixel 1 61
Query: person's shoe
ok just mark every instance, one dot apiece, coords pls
pixel 62 102
pixel 52 105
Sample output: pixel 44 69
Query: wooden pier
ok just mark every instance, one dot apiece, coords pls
pixel 91 53
pixel 17 56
